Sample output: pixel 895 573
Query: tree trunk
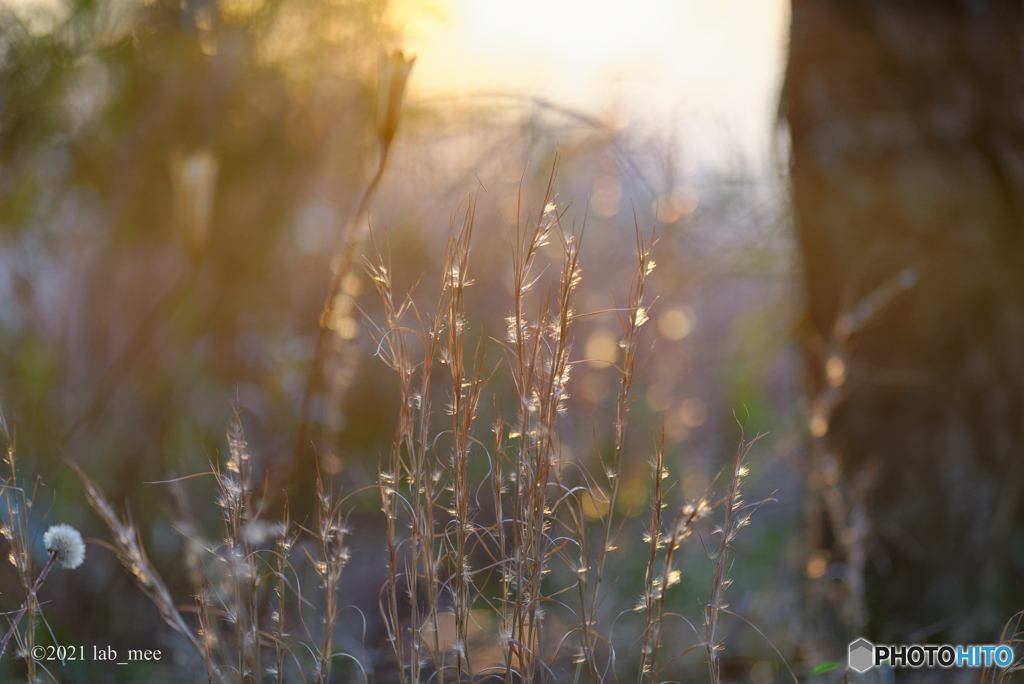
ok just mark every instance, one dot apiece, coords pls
pixel 907 124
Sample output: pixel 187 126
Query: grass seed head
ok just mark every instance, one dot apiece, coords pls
pixel 66 544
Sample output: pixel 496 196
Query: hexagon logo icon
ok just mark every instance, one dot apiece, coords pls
pixel 862 655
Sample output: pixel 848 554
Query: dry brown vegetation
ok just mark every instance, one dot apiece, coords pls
pixel 496 565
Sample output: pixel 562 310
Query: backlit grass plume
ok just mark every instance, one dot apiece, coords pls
pixel 65 544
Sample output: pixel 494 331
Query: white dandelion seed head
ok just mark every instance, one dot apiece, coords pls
pixel 65 542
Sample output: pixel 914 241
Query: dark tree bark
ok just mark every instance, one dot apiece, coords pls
pixel 907 124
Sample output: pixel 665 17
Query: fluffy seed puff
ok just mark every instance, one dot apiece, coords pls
pixel 65 542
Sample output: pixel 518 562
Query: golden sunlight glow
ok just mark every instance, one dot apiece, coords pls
pixel 602 349
pixel 655 59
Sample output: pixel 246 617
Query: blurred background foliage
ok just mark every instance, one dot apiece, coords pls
pixel 156 157
pixel 176 178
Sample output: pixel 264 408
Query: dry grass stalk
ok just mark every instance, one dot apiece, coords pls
pixel 631 318
pixel 63 544
pixel 736 516
pixel 16 530
pixel 234 579
pixel 538 354
pixel 409 463
pixel 1012 636
pixel 426 476
pixel 332 558
pixel 394 74
pixel 130 551
pixel 465 396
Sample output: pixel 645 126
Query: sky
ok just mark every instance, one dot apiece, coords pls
pixel 709 68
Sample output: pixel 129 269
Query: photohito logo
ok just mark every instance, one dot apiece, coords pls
pixel 864 655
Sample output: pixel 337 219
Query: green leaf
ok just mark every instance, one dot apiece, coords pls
pixel 825 667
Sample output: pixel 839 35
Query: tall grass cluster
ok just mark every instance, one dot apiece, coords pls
pixel 497 547
pixel 498 544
